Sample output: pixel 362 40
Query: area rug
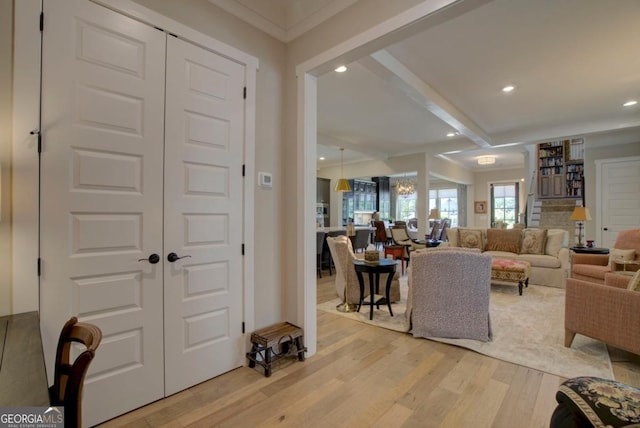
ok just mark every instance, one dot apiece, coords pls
pixel 527 330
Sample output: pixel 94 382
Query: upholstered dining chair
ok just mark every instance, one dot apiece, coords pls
pixel 346 277
pixel 361 240
pixel 449 292
pixel 69 373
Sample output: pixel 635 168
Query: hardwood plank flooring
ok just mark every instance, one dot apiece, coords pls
pixel 365 376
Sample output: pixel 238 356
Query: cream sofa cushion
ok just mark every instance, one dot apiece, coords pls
pixel 555 240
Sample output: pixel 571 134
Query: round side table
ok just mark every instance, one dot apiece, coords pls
pixel 374 270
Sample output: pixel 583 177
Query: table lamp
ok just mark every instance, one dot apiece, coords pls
pixel 434 214
pixel 580 214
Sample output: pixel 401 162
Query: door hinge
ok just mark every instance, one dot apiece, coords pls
pixel 242 327
pixel 39 266
pixel 243 170
pixel 244 93
pixel 242 249
pixel 41 21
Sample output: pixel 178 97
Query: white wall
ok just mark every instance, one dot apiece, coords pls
pixel 480 192
pixel 6 52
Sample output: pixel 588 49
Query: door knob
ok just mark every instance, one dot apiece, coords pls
pixel 606 228
pixel 153 259
pixel 172 257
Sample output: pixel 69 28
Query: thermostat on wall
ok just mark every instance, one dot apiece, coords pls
pixel 264 180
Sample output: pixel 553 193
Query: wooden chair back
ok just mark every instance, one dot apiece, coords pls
pixel 69 373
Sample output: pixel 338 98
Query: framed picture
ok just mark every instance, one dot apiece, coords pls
pixel 480 207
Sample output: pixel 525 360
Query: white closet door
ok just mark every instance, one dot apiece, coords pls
pixel 618 197
pixel 103 114
pixel 203 215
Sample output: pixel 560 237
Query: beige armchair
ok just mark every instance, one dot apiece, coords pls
pixel 343 256
pixel 607 312
pixel 400 237
pixel 449 292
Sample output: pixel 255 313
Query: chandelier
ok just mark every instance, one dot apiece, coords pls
pixel 405 187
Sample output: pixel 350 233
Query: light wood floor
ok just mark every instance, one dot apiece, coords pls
pixel 364 376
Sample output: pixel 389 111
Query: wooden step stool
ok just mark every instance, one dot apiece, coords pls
pixel 284 335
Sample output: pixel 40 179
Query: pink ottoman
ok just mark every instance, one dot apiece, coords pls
pixel 511 271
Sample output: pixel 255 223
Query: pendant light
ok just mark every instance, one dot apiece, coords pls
pixel 342 185
pixel 405 187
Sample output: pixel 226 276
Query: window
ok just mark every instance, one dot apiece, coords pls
pixel 406 207
pixel 504 204
pixel 446 200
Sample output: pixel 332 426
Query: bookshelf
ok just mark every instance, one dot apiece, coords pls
pixel 561 168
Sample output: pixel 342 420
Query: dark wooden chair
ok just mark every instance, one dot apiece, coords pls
pixel 319 247
pixel 380 237
pixel 69 375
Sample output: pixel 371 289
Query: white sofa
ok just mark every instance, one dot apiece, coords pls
pixel 549 266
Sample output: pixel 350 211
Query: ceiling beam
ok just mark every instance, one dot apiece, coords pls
pixel 406 81
pixel 329 141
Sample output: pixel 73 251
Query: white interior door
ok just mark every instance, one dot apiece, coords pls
pixel 103 98
pixel 203 215
pixel 618 198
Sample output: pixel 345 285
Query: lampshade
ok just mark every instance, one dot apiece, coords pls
pixel 434 214
pixel 580 214
pixel 342 185
pixel 486 160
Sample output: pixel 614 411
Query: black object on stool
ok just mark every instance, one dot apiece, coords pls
pixel 282 335
pixel 597 402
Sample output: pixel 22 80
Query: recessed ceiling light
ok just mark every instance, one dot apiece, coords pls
pixel 321 157
pixel 630 103
pixel 451 134
pixel 341 69
pixel 508 88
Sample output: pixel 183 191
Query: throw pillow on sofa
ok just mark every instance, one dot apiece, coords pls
pixel 619 255
pixel 470 238
pixel 533 241
pixel 507 240
pixel 555 241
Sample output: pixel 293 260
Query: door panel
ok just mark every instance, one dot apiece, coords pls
pixel 620 208
pixel 101 192
pixel 203 212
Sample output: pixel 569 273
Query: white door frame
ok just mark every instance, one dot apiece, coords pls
pixel 371 40
pixel 25 160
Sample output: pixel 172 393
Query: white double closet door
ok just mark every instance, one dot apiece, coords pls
pixel 142 155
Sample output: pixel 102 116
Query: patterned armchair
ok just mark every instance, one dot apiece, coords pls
pixel 607 312
pixel 593 267
pixel 343 256
pixel 449 294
